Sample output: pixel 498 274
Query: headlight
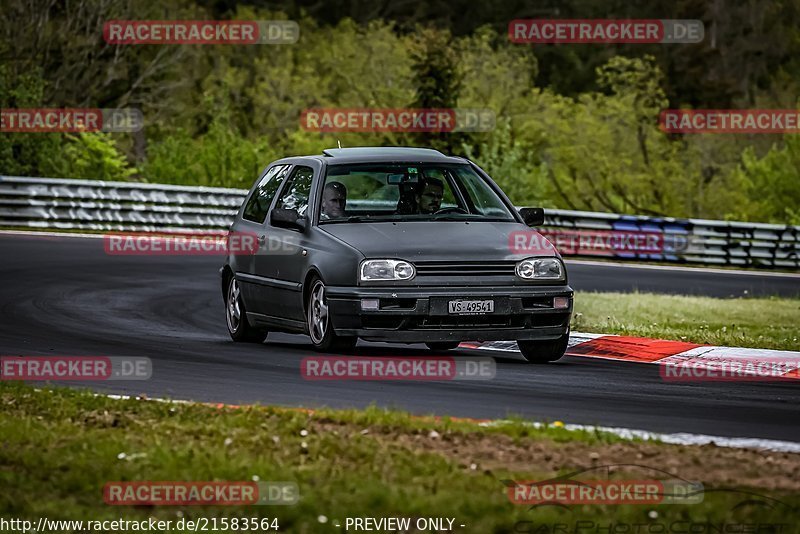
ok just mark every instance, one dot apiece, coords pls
pixel 540 269
pixel 385 270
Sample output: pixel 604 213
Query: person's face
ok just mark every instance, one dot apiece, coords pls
pixel 430 199
pixel 333 202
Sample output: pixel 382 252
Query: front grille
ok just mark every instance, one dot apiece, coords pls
pixel 465 268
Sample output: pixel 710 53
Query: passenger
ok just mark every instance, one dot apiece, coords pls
pixel 334 200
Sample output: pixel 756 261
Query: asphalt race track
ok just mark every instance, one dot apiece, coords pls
pixel 65 296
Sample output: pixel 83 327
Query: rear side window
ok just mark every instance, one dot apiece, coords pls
pixel 298 188
pixel 258 203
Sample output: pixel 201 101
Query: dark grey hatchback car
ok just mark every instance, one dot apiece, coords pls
pixel 392 244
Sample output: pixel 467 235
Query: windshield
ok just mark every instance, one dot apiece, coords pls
pixel 408 192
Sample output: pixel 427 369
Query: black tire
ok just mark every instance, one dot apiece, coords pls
pixel 318 322
pixel 441 346
pixel 239 328
pixel 544 351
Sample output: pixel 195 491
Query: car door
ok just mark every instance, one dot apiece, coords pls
pixel 283 264
pixel 251 222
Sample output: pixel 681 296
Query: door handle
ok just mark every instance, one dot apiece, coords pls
pixel 262 239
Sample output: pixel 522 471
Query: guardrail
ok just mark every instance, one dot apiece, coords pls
pixel 51 203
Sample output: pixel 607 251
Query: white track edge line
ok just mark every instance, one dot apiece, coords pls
pixel 680 438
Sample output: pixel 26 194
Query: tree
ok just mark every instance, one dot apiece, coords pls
pixel 23 154
pixel 90 156
pixel 772 182
pixel 438 82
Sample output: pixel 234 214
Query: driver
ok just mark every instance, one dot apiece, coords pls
pixel 429 195
pixel 334 200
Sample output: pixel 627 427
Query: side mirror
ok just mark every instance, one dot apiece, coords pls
pixel 287 218
pixel 532 216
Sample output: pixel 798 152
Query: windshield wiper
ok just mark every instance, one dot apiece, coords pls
pixel 468 218
pixel 358 218
pixel 458 216
pixel 450 218
pixel 352 218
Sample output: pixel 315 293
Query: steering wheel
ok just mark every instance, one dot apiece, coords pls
pixel 454 209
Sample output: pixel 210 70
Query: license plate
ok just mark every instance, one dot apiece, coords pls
pixel 470 307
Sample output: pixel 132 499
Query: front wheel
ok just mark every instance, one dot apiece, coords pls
pixel 320 327
pixel 238 327
pixel 544 351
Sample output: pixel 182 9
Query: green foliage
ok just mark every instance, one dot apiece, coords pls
pixel 438 81
pixel 604 152
pixel 773 182
pixel 437 77
pixel 64 445
pixel 513 167
pixel 218 115
pixel 23 154
pixel 217 159
pixel 220 157
pixel 640 78
pixel 90 156
pixel 496 74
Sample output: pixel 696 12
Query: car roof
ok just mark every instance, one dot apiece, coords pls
pixel 336 156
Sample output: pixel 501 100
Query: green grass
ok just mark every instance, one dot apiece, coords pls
pixel 58 448
pixel 770 323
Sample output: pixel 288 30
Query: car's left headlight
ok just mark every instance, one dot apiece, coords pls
pixel 373 270
pixel 540 269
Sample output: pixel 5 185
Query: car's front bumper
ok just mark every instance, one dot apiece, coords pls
pixel 420 314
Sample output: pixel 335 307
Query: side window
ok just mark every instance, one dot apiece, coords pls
pixel 295 193
pixel 258 203
pixel 483 198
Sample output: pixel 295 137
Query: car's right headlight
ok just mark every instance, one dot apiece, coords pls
pixel 374 270
pixel 540 269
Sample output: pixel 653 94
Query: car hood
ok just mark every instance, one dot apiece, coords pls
pixel 442 240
